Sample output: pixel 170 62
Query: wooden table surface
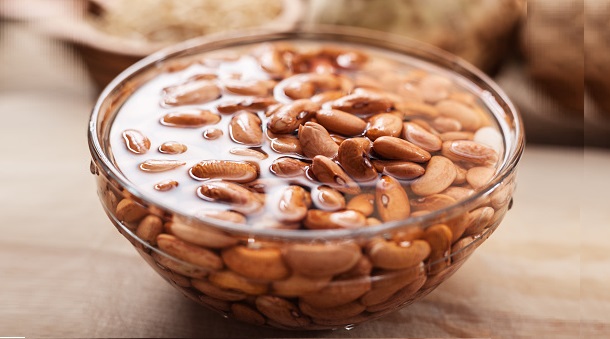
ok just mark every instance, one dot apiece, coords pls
pixel 66 272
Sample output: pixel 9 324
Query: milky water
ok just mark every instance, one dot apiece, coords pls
pixel 142 111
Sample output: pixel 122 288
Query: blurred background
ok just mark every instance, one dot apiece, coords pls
pixel 67 273
pixel 535 50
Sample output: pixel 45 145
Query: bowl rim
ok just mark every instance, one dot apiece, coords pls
pixel 346 34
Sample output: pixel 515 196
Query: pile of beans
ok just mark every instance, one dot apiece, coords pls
pixel 317 138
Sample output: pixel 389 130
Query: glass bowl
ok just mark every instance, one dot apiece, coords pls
pixel 328 278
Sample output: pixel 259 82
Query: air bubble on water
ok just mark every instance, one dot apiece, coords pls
pixel 404 244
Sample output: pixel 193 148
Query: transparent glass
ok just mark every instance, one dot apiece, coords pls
pixel 347 289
